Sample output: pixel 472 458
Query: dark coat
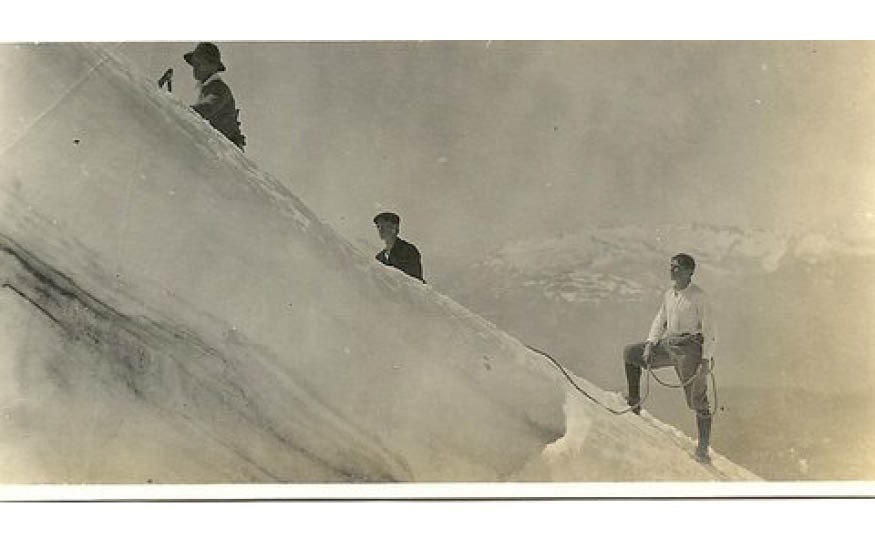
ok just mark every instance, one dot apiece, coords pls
pixel 404 256
pixel 216 105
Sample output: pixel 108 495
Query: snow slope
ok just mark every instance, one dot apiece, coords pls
pixel 171 313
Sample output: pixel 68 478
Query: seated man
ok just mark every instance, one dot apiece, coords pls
pixel 215 101
pixel 682 335
pixel 398 253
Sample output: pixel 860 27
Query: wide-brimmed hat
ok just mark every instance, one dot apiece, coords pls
pixel 388 216
pixel 208 51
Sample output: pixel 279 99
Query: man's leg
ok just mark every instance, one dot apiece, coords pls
pixel 696 394
pixel 703 425
pixel 633 361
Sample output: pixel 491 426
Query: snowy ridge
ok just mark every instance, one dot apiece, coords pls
pixel 582 452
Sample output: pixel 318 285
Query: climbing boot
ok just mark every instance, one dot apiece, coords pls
pixel 633 380
pixel 703 422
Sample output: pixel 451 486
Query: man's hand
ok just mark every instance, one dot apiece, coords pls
pixel 648 352
pixel 707 366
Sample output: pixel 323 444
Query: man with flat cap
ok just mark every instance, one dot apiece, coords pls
pixel 398 253
pixel 682 335
pixel 215 102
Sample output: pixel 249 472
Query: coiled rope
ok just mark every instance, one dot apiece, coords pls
pixel 650 373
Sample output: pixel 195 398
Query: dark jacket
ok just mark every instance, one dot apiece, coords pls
pixel 216 105
pixel 404 256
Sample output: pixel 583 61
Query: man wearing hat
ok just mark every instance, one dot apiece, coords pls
pixel 215 102
pixel 398 253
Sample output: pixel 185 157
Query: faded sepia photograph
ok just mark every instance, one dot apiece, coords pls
pixel 455 261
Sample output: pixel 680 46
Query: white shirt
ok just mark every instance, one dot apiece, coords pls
pixel 685 311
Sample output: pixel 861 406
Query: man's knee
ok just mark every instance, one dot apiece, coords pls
pixel 627 354
pixel 698 402
pixel 633 354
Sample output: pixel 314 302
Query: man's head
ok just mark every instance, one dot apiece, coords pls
pixel 205 60
pixel 388 225
pixel 682 268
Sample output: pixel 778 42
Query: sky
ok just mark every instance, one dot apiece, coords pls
pixel 476 144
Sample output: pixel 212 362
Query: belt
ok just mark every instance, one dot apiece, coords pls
pixel 684 339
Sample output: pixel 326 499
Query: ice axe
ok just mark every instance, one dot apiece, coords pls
pixel 167 78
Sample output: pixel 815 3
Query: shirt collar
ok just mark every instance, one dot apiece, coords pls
pixel 685 289
pixel 215 77
pixel 394 245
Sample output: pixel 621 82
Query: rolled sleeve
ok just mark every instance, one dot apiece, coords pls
pixel 658 325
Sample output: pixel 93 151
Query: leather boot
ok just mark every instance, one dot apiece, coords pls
pixel 703 422
pixel 633 380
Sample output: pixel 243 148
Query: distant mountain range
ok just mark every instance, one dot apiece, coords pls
pixel 630 262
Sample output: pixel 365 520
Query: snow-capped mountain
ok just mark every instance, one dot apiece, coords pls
pixel 630 262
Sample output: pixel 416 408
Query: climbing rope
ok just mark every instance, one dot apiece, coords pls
pixel 698 372
pixel 587 394
pixel 650 373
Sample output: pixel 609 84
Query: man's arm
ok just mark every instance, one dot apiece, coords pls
pixel 709 329
pixel 411 262
pixel 214 96
pixel 416 268
pixel 658 325
pixel 656 329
